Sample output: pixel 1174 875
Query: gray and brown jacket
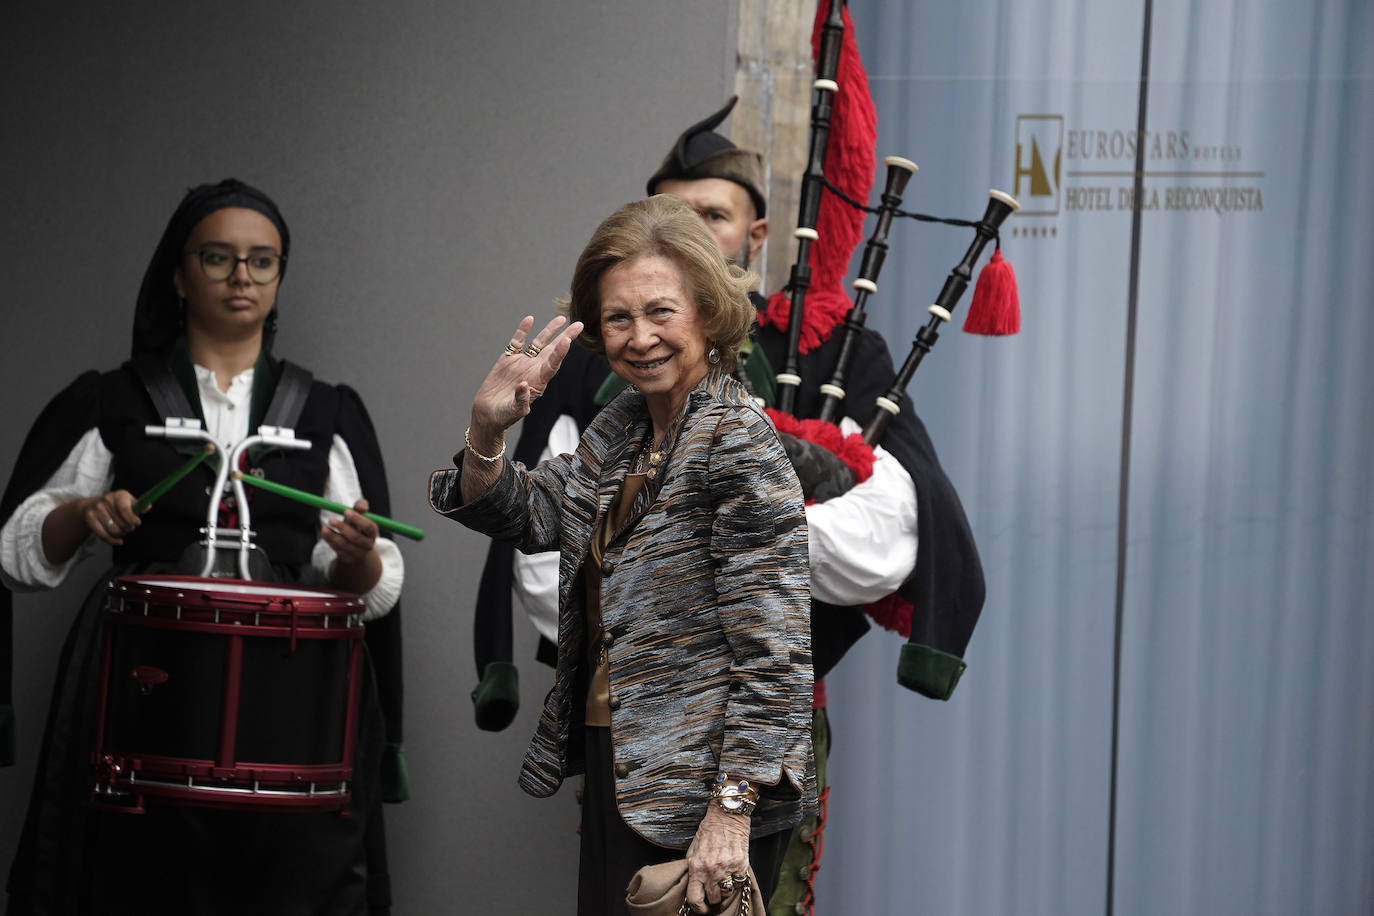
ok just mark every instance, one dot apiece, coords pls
pixel 705 597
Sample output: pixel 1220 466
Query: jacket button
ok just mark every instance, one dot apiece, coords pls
pixel 607 567
pixel 805 834
pixel 613 701
pixel 804 873
pixel 622 770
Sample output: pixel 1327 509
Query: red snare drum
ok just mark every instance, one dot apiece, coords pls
pixel 227 694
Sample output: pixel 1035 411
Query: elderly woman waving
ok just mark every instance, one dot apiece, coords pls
pixel 683 686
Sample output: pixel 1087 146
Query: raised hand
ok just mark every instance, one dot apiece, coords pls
pixel 519 375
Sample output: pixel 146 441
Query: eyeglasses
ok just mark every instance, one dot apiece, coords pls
pixel 218 262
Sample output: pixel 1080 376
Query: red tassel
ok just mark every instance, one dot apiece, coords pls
pixel 996 307
pixel 856 454
pixel 891 613
pixel 849 160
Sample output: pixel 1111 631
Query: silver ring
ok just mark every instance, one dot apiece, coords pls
pixel 110 524
pixel 727 884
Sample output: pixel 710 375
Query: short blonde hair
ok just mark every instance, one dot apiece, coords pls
pixel 664 225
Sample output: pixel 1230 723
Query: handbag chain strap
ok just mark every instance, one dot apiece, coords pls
pixel 746 901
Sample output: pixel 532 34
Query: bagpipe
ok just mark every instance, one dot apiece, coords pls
pixel 813 307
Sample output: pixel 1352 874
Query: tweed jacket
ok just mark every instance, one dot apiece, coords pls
pixel 705 601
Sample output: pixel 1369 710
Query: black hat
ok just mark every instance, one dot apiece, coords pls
pixel 702 153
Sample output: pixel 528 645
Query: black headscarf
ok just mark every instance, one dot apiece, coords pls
pixel 158 318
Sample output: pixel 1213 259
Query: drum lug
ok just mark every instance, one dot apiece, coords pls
pixel 107 772
pixel 106 792
pixel 148 677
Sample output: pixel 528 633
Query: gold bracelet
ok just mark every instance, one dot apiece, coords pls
pixel 477 454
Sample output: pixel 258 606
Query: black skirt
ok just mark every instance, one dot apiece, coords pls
pixel 612 852
pixel 76 859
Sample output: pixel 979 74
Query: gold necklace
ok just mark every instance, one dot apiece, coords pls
pixel 649 460
pixel 653 457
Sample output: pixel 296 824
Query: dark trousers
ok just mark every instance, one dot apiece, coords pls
pixel 612 852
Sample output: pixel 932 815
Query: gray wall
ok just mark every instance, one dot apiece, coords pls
pixel 440 164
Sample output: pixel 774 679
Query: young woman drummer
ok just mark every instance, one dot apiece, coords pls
pixel 203 331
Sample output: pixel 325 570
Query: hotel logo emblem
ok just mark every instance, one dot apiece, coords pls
pixel 1071 171
pixel 1039 156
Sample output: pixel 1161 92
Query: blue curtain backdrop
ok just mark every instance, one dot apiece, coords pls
pixel 1246 705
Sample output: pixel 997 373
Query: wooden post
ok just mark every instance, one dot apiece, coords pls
pixel 773 79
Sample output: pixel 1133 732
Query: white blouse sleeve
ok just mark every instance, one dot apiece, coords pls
pixel 343 487
pixel 863 544
pixel 535 584
pixel 88 471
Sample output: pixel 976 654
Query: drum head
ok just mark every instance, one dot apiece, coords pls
pixel 157 585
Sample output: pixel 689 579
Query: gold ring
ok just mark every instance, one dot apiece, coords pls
pixel 532 351
pixel 512 349
pixel 727 884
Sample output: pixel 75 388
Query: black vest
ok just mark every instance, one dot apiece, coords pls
pixel 286 530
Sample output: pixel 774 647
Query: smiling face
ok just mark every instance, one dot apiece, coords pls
pixel 653 334
pixel 236 307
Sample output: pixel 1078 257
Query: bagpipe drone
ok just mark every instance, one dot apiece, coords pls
pixel 813 306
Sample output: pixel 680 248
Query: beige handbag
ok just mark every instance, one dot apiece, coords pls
pixel 661 890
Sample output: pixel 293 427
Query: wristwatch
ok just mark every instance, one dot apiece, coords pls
pixel 735 804
pixel 734 797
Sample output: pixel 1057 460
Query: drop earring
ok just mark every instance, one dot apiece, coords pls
pixel 713 356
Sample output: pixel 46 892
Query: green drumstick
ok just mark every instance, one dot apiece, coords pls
pixel 319 502
pixel 142 504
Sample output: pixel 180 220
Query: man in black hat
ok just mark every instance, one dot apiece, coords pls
pixel 725 184
pixel 863 543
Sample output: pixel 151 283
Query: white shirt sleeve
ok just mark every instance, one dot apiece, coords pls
pixel 863 544
pixel 88 471
pixel 343 487
pixel 535 585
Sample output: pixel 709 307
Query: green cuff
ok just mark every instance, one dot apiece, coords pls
pixel 929 672
pixel 761 377
pixel 6 735
pixel 395 776
pixel 497 698
pixel 611 386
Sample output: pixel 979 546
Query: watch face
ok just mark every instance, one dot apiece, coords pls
pixel 732 802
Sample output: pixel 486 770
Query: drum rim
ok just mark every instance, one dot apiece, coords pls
pixel 157 585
